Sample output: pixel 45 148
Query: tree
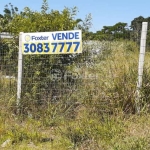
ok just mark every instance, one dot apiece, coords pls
pixel 9 12
pixel 117 31
pixel 136 26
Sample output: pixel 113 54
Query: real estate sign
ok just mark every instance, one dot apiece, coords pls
pixel 59 42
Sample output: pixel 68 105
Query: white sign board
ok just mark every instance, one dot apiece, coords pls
pixel 60 42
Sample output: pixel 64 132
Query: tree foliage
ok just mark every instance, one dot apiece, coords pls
pixel 121 30
pixel 136 27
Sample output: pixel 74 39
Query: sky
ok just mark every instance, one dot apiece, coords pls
pixel 104 12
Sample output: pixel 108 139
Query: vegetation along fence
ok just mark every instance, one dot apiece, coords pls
pixel 97 78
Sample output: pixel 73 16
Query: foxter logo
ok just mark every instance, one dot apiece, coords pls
pixel 38 38
pixel 27 38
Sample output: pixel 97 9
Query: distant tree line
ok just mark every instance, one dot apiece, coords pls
pixel 121 30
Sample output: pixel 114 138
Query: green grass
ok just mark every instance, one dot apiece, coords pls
pixel 119 133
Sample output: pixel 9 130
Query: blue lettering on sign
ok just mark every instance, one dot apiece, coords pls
pixel 40 38
pixel 45 47
pixel 76 35
pixel 65 36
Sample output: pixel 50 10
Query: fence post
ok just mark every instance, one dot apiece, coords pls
pixel 141 63
pixel 19 81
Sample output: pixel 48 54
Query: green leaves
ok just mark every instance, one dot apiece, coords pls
pixel 44 7
pixel 34 21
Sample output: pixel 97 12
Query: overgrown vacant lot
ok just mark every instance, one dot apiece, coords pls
pixel 105 120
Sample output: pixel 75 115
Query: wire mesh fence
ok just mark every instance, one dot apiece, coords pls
pixel 8 68
pixel 57 79
pixel 97 79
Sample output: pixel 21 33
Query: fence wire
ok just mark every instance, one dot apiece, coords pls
pixel 8 68
pixel 67 82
